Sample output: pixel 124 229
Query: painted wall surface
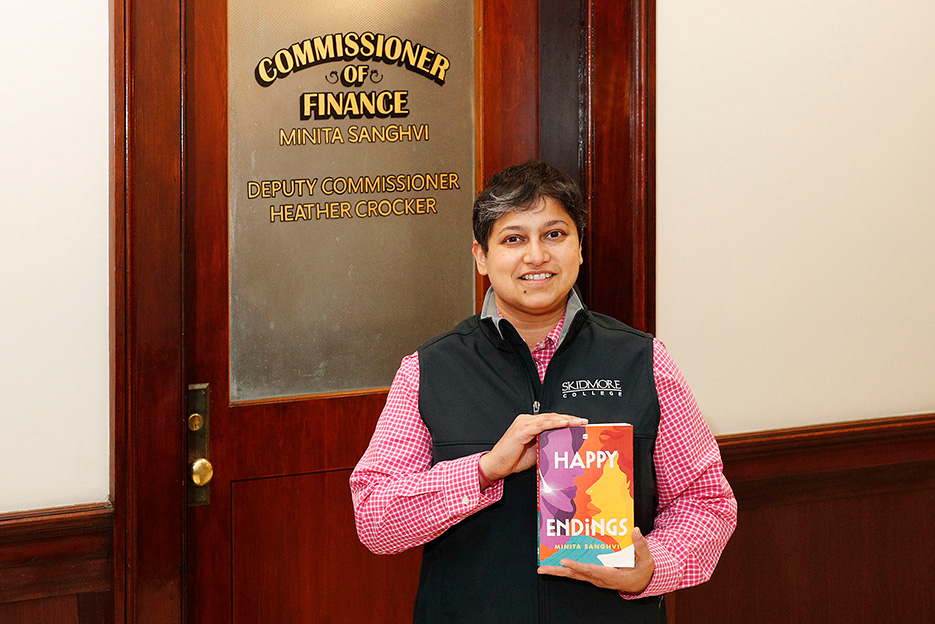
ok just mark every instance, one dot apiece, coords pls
pixel 796 208
pixel 796 270
pixel 54 422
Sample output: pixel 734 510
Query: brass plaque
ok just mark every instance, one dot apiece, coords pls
pixel 351 182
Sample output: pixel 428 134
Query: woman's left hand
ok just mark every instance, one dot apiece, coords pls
pixel 628 580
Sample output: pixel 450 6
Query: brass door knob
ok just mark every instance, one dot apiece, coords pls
pixel 202 472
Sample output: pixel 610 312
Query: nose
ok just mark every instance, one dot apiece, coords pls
pixel 536 253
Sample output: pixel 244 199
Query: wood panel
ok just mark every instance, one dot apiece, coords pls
pixel 58 610
pixel 55 552
pixel 96 608
pixel 562 85
pixel 86 608
pixel 146 294
pixel 292 563
pixel 56 565
pixel 206 257
pixel 834 525
pixel 509 84
pixel 119 437
pixel 618 177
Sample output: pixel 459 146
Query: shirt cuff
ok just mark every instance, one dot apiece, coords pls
pixel 462 487
pixel 665 575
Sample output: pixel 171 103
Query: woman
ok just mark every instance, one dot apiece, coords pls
pixel 449 465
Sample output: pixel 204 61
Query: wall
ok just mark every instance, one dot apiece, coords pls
pixel 795 274
pixel 794 207
pixel 54 423
pixel 795 211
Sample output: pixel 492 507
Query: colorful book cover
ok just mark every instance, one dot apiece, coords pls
pixel 586 495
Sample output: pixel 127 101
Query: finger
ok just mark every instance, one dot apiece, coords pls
pixel 640 545
pixel 601 576
pixel 564 572
pixel 556 421
pixel 589 570
pixel 536 420
pixel 568 417
pixel 527 429
pixel 631 580
pixel 555 571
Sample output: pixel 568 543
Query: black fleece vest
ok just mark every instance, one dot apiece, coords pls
pixel 473 384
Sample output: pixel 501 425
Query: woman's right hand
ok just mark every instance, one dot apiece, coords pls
pixel 516 449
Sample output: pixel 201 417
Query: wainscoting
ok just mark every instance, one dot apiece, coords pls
pixel 836 524
pixel 56 566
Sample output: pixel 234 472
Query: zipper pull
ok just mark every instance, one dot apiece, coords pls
pixel 535 407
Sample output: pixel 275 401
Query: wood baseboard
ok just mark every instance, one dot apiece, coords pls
pixel 833 526
pixel 838 460
pixel 56 552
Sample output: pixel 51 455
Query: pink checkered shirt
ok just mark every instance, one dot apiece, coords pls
pixel 402 501
pixel 542 353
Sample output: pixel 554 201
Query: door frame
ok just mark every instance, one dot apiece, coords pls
pixel 147 291
pixel 614 59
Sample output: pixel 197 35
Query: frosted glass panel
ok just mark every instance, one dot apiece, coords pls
pixel 351 182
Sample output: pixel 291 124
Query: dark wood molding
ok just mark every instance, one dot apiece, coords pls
pixel 562 85
pixel 146 306
pixel 857 458
pixel 782 454
pixel 509 114
pixel 57 610
pixel 118 293
pixel 56 552
pixel 597 122
pixel 84 608
pixel 59 552
pixel 778 442
pixel 52 521
pixel 833 525
pixel 618 164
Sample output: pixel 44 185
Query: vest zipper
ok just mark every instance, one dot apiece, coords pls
pixel 535 407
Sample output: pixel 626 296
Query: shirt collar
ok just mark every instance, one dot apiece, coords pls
pixel 551 340
pixel 489 310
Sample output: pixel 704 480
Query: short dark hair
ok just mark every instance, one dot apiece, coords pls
pixel 518 188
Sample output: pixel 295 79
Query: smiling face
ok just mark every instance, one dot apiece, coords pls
pixel 532 260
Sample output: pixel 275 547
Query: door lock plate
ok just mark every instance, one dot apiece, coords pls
pixel 200 471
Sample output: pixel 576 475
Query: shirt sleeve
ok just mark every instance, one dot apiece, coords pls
pixel 400 499
pixel 697 511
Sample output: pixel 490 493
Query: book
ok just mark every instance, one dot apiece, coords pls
pixel 586 495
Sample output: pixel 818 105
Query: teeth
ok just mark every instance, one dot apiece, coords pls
pixel 537 276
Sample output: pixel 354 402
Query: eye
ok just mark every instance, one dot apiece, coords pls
pixel 555 234
pixel 513 238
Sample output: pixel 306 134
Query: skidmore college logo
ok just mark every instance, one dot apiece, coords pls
pixel 591 387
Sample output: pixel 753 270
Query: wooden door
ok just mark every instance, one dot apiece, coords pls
pixel 277 542
pixel 570 82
